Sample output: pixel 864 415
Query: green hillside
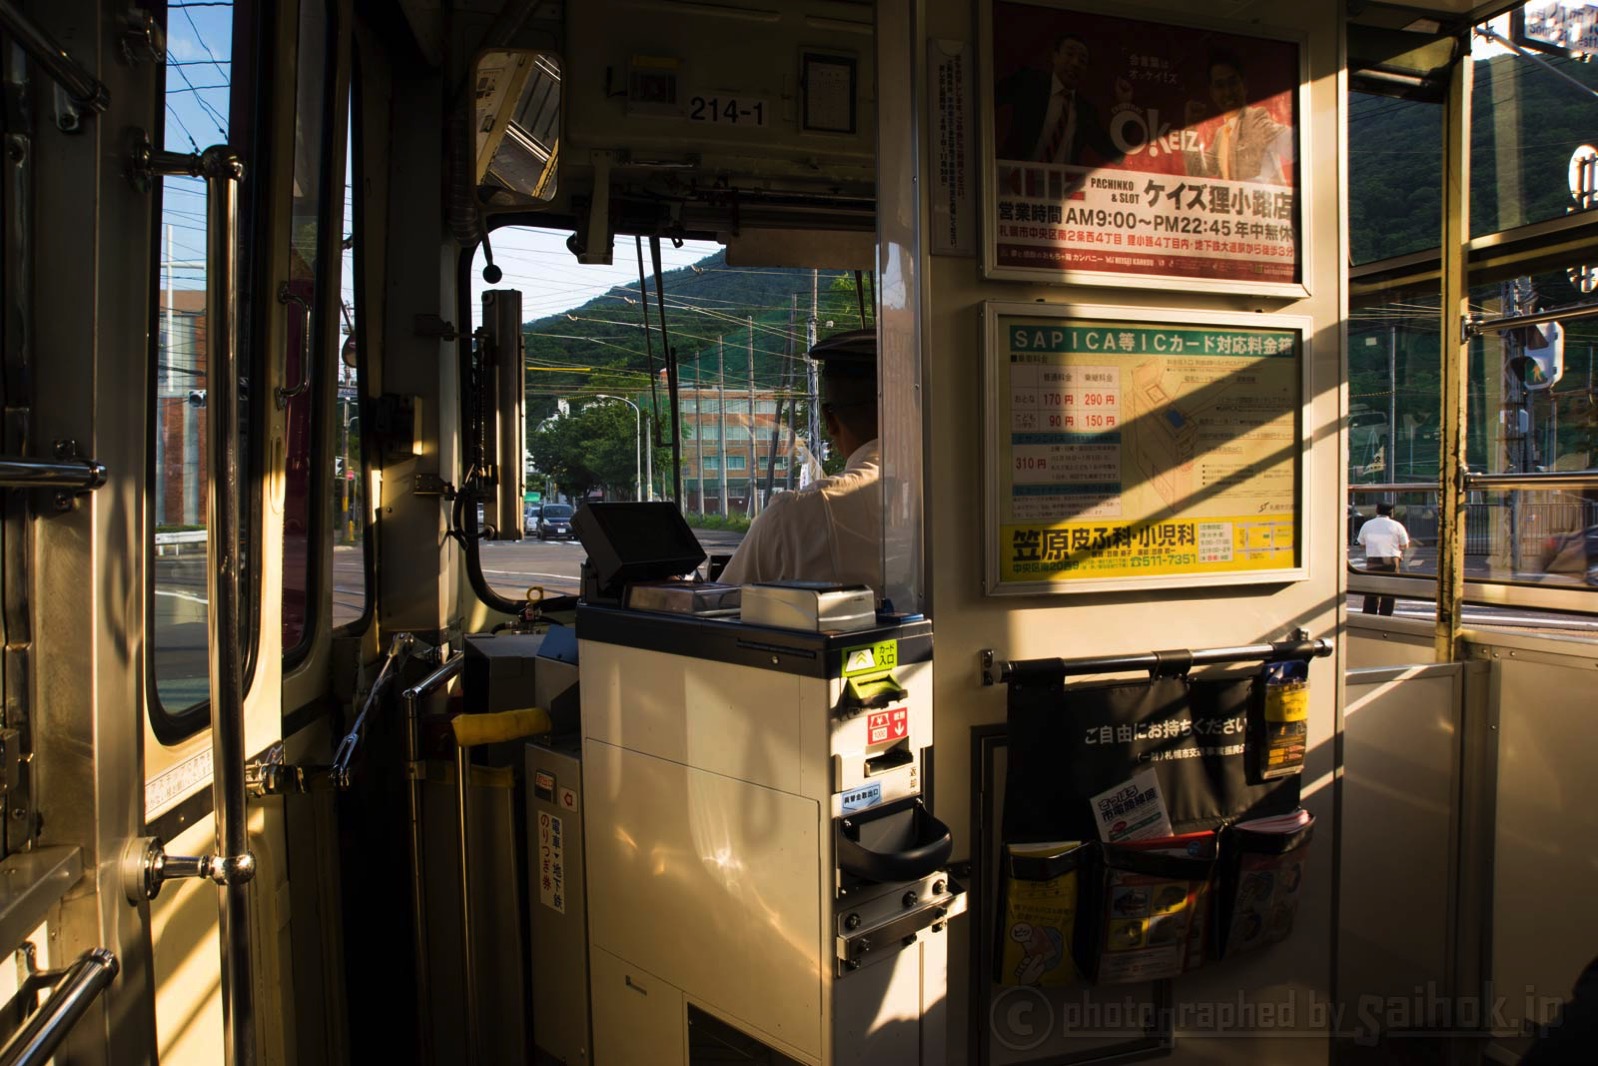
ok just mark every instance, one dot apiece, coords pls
pixel 1395 155
pixel 705 303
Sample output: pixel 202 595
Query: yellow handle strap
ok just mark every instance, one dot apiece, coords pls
pixel 474 730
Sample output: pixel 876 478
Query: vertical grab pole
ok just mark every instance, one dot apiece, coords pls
pixel 1455 347
pixel 463 766
pixel 223 170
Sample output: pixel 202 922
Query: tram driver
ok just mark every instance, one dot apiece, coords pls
pixel 830 531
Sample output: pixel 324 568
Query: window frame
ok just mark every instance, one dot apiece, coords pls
pixel 249 116
pixel 323 393
pixel 357 168
pixel 1529 249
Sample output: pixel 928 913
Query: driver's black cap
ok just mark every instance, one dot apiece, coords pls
pixel 848 354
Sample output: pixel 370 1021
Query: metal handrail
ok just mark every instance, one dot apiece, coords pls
pixel 1538 480
pixel 47 1027
pixel 146 864
pixel 84 88
pixel 284 394
pixel 225 607
pixel 1535 481
pixel 1177 661
pixel 1477 327
pixel 17 472
pixel 411 698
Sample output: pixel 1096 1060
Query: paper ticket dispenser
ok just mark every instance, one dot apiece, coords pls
pixel 759 857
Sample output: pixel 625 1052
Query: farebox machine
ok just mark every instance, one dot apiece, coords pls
pixel 760 868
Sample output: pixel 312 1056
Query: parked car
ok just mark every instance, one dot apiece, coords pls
pixel 530 516
pixel 554 522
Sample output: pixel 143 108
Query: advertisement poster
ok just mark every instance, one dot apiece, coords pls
pixel 1157 446
pixel 1118 151
pixel 953 170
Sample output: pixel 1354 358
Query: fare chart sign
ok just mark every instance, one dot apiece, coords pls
pixel 1125 152
pixel 1158 446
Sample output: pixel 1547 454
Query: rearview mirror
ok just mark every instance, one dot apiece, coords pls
pixel 518 124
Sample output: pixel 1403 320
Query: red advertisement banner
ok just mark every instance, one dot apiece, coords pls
pixel 1142 149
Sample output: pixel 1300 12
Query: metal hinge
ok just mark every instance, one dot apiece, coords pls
pixel 431 325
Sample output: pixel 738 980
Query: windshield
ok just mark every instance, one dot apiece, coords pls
pixel 558 511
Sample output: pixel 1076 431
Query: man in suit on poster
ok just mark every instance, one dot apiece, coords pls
pixel 1248 145
pixel 1050 120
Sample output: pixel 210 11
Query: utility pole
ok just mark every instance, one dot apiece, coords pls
pixel 699 435
pixel 162 407
pixel 782 395
pixel 812 370
pixel 193 484
pixel 649 457
pixel 1390 456
pixel 793 402
pixel 721 407
pixel 750 504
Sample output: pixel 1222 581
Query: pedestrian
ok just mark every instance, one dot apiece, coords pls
pixel 1385 540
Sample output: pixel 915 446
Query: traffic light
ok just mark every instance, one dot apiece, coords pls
pixel 1541 362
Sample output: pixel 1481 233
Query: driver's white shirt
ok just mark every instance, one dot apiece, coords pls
pixel 830 531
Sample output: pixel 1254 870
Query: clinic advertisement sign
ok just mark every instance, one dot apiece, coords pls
pixel 1162 447
pixel 1124 152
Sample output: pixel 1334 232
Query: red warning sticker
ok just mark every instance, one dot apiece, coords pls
pixel 888 726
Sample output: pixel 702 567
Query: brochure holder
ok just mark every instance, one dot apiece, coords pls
pixel 1260 877
pixel 1214 870
pixel 1146 915
pixel 1072 744
pixel 1039 890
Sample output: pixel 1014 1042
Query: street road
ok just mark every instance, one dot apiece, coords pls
pixel 511 569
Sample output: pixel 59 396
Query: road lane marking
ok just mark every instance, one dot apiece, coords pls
pixel 191 597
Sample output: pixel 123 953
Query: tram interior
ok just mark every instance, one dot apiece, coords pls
pixel 342 590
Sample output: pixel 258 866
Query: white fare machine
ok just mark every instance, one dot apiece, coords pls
pixel 758 857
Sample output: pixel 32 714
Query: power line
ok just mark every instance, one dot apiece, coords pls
pixel 182 126
pixel 221 123
pixel 226 75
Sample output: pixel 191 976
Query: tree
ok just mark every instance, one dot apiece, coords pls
pixel 595 446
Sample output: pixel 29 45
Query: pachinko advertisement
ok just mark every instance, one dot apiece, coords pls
pixel 1141 152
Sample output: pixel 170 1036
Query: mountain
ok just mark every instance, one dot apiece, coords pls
pixel 1526 120
pixel 705 303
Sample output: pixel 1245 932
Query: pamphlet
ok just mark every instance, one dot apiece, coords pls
pixel 1132 810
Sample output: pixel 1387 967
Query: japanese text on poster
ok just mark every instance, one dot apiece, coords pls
pixel 953 229
pixel 1141 450
pixel 1142 149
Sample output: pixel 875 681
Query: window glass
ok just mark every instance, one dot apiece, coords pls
pixel 584 340
pixel 1393 389
pixel 1530 114
pixel 1532 408
pixel 198 77
pixel 347 507
pixel 306 240
pixel 1530 412
pixel 1394 176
